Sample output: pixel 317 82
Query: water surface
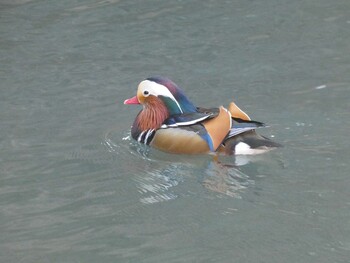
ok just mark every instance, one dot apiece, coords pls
pixel 75 188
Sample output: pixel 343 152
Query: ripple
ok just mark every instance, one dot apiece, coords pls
pixel 226 180
pixel 93 5
pixel 115 143
pixel 156 186
pixel 159 176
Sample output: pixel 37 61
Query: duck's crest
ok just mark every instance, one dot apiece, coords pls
pixel 186 105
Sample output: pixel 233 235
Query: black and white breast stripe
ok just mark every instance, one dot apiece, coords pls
pixel 146 136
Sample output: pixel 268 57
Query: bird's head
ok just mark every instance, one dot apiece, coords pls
pixel 159 90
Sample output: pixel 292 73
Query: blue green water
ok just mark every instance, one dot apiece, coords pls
pixel 75 188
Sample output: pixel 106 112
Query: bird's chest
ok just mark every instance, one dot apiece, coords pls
pixel 146 123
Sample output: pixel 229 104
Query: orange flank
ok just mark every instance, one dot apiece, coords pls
pixel 219 127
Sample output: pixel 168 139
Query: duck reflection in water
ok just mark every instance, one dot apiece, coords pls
pixel 166 177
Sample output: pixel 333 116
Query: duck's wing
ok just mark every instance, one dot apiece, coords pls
pixel 190 118
pixel 237 112
pixel 239 126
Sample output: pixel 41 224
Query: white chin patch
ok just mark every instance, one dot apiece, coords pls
pixel 244 149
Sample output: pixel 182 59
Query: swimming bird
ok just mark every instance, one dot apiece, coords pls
pixel 170 122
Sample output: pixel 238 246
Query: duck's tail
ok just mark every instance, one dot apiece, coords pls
pixel 246 141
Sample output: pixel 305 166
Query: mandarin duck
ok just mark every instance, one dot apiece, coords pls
pixel 170 122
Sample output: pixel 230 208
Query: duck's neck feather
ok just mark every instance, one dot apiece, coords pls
pixel 150 117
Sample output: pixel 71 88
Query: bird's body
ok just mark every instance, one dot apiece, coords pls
pixel 170 122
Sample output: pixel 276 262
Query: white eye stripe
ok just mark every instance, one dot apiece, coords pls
pixel 156 89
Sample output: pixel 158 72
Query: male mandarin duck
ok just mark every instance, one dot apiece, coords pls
pixel 170 122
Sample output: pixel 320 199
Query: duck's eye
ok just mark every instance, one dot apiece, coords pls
pixel 145 93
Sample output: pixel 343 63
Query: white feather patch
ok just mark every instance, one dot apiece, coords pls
pixel 185 123
pixel 140 136
pixel 244 149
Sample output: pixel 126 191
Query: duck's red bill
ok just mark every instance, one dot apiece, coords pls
pixel 132 100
